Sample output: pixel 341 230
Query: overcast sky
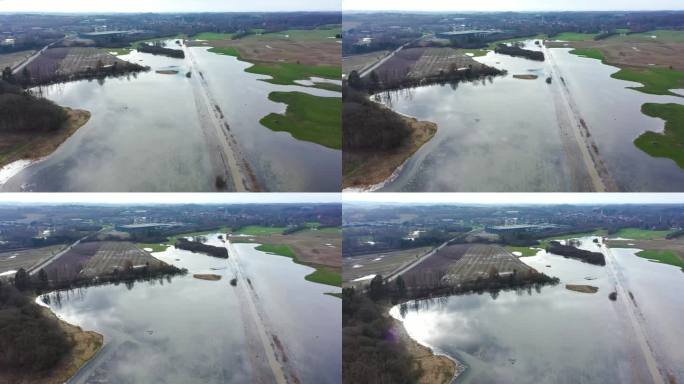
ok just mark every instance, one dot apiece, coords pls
pixel 516 198
pixel 169 198
pixel 511 5
pixel 98 6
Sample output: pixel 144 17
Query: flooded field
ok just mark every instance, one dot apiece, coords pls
pixel 186 329
pixel 555 335
pixel 157 132
pixel 521 134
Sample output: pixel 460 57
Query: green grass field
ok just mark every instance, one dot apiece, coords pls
pixel 640 234
pixel 670 143
pixel 287 73
pixel 525 251
pixel 228 51
pixel 591 53
pixel 310 118
pixel 255 230
pixel 665 257
pixel 661 35
pixel 303 34
pixel 212 36
pixel 156 247
pixel 321 275
pixel 656 81
pixel 474 52
pixel 573 36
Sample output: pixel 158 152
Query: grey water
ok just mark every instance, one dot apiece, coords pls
pixel 184 329
pixel 554 335
pixel 502 134
pixel 144 133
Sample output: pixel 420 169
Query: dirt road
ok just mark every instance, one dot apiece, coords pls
pixel 587 170
pixel 229 164
pixel 636 318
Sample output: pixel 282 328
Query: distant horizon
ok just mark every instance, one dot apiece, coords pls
pixel 166 6
pixel 529 199
pixel 431 6
pixel 76 198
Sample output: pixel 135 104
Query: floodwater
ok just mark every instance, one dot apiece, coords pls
pixel 185 329
pixel 145 134
pixel 503 134
pixel 554 335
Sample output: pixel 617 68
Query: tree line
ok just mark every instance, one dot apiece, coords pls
pixel 21 111
pixel 569 251
pixel 196 246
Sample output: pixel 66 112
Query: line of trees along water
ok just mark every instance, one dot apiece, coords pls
pixel 569 251
pixel 196 246
pixel 517 51
pixel 159 49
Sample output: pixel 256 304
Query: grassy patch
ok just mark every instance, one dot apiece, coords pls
pixel 525 251
pixel 573 36
pixel 670 143
pixel 287 73
pixel 323 33
pixel 474 52
pixel 334 294
pixel 228 51
pixel 310 118
pixel 640 234
pixel 328 86
pixel 256 230
pixel 543 243
pixel 118 51
pixel 592 53
pixel 156 247
pixel 212 36
pixel 656 81
pixel 661 35
pixel 321 275
pixel 665 257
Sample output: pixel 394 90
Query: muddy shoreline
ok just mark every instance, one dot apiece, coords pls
pixel 34 146
pixel 377 168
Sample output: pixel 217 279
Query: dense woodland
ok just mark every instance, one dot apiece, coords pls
pixel 196 246
pixel 158 49
pixel 20 111
pixel 371 352
pixel 368 126
pixel 29 341
pixel 517 51
pixel 569 251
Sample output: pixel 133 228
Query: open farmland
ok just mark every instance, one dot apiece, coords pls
pixel 459 263
pixel 69 62
pixel 116 255
pixel 663 50
pixel 311 246
pixel 98 257
pixel 482 260
pixel 433 61
pixel 431 270
pixel 360 62
pixel 14 58
pixel 12 261
pixel 307 47
pixel 378 263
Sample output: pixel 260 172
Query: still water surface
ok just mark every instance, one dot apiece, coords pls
pixel 503 134
pixel 554 335
pixel 145 135
pixel 190 330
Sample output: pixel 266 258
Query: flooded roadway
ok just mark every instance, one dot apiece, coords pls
pixel 508 134
pixel 166 132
